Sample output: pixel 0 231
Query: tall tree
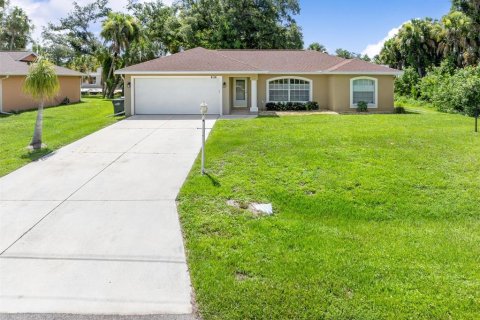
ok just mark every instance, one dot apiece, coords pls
pixel 160 29
pixel 416 45
pixel 118 30
pixel 42 84
pixel 317 47
pixel 391 54
pixel 3 6
pixel 240 24
pixel 73 35
pixel 471 8
pixel 84 63
pixel 15 28
pixel 425 43
pixel 457 38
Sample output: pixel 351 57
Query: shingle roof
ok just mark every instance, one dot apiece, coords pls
pixel 255 61
pixel 11 64
pixel 198 59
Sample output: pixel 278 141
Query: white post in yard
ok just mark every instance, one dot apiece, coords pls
pixel 254 107
pixel 203 111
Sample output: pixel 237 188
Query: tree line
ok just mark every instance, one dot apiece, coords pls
pixel 440 58
pixel 152 29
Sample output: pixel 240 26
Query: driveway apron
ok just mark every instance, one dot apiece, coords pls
pixel 93 228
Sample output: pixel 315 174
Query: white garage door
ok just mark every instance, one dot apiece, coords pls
pixel 177 95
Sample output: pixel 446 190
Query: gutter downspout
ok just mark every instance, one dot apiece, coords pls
pixel 1 104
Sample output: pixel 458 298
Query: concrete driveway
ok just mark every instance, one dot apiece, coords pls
pixel 93 228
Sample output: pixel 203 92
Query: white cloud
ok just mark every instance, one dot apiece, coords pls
pixel 373 49
pixel 42 12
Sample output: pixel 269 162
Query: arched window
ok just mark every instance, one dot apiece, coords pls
pixel 289 90
pixel 364 89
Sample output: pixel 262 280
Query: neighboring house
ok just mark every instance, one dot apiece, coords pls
pixel 14 67
pixel 92 82
pixel 246 80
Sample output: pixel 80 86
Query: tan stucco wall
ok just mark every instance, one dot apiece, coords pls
pixel 331 95
pixel 128 95
pixel 14 99
pixel 330 91
pixel 339 93
pixel 226 95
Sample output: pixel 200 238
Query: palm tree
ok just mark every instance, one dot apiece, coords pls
pixel 16 29
pixel 119 30
pixel 42 84
pixel 317 47
pixel 457 28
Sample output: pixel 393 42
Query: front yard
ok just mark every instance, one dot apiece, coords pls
pixel 376 217
pixel 62 125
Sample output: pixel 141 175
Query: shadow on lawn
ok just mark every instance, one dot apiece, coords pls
pixel 409 112
pixel 214 180
pixel 35 155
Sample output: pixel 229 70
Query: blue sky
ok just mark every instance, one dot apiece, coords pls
pixel 348 24
pixel 352 24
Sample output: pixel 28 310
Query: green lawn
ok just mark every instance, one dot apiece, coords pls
pixel 62 125
pixel 377 217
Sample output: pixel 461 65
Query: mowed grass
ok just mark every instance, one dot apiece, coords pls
pixel 376 217
pixel 61 125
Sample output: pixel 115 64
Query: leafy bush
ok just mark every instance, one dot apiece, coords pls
pixel 65 101
pixel 459 92
pixel 292 106
pixel 407 83
pixel 362 106
pixel 312 105
pixel 399 110
pixel 429 84
pixel 447 88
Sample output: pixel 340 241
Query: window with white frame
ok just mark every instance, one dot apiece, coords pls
pixel 289 90
pixel 364 89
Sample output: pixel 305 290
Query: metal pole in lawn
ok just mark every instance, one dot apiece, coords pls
pixel 203 111
pixel 477 111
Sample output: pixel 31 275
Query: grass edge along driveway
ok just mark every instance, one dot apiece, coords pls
pixel 377 217
pixel 61 126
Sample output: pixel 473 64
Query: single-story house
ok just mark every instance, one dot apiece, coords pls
pixel 231 81
pixel 14 67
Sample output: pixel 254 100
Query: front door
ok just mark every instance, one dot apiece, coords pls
pixel 240 92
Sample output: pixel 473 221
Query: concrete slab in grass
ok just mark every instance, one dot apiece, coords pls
pixel 106 230
pixel 16 217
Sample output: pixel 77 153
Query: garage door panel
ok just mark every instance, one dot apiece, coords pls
pixel 167 95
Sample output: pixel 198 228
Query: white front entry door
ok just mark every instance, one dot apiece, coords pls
pixel 240 94
pixel 176 95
